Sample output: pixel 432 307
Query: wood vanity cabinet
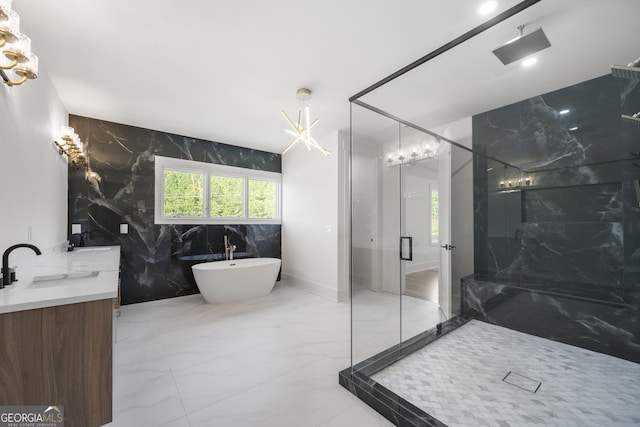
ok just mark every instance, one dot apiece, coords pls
pixel 60 355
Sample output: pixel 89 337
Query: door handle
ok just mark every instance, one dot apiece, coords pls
pixel 409 239
pixel 448 247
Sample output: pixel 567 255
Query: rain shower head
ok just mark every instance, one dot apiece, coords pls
pixel 634 120
pixel 522 46
pixel 630 71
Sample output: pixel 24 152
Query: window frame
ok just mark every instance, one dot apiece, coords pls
pixel 212 169
pixel 432 242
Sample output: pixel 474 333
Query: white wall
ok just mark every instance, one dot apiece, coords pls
pixel 365 208
pixel 33 176
pixel 461 205
pixel 314 235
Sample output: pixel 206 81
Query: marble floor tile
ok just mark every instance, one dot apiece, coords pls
pixel 357 415
pixel 268 361
pixel 274 361
pixel 146 399
pixel 212 381
pixel 180 422
pixel 307 396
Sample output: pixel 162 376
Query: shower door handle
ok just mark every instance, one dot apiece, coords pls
pixel 409 240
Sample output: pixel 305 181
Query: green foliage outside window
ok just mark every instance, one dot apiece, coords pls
pixel 262 199
pixel 183 193
pixel 226 196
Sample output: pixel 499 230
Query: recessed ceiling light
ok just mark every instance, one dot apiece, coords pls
pixel 529 62
pixel 487 7
pixel 563 112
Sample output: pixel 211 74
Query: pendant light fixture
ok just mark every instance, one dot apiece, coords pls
pixel 301 130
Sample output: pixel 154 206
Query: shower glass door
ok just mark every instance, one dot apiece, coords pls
pixel 423 162
pixel 403 238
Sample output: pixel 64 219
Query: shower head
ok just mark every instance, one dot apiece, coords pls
pixel 522 46
pixel 633 120
pixel 630 71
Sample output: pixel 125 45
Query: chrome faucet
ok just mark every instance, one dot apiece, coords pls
pixel 6 271
pixel 228 248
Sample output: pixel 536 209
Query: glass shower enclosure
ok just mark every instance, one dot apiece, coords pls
pixel 411 200
pixel 497 193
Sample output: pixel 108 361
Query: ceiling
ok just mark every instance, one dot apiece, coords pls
pixel 224 70
pixel 469 79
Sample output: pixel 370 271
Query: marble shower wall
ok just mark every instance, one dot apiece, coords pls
pixel 118 187
pixel 563 209
pixel 557 225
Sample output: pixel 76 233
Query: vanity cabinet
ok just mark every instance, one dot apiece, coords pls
pixel 60 355
pixel 57 335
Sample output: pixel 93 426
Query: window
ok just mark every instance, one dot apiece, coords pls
pixel 227 196
pixel 262 200
pixel 435 230
pixel 189 192
pixel 183 193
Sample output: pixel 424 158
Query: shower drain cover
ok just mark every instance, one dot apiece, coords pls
pixel 522 382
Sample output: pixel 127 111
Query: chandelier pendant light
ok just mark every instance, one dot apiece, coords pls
pixel 301 130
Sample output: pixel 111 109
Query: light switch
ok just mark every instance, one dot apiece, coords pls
pixel 124 228
pixel 76 229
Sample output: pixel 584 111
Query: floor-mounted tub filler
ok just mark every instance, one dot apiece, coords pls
pixel 224 282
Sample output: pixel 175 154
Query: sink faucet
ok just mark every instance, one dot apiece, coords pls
pixel 228 248
pixel 6 271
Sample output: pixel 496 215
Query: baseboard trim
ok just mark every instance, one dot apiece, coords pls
pixel 421 267
pixel 314 288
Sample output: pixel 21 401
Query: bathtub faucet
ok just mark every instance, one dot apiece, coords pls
pixel 228 248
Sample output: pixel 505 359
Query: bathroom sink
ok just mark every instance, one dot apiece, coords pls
pixel 62 279
pixel 93 249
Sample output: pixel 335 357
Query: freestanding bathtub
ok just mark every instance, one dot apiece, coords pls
pixel 222 282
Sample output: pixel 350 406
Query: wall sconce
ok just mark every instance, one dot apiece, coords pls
pixel 514 186
pixel 71 146
pixel 16 48
pixel 416 153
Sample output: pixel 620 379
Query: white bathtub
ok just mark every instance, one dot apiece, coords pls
pixel 223 282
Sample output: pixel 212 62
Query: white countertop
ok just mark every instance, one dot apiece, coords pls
pixel 85 274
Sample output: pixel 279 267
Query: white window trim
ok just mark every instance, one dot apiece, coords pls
pixel 208 169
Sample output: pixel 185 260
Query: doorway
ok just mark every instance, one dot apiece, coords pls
pixel 424 163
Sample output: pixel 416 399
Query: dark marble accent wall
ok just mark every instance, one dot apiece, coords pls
pixel 557 227
pixel 117 187
pixel 563 209
pixel 605 324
